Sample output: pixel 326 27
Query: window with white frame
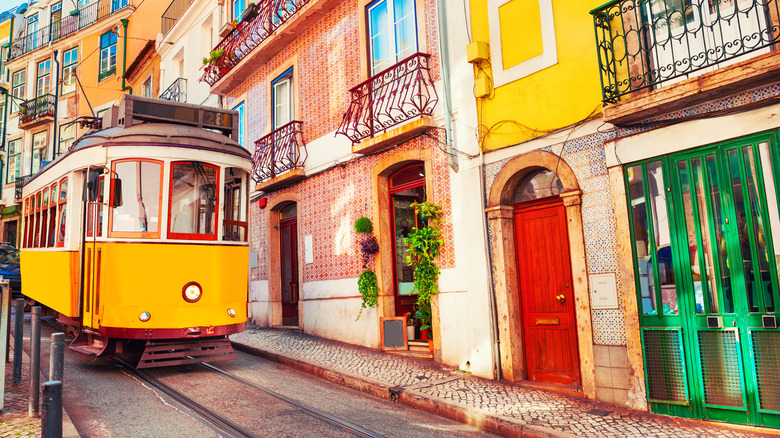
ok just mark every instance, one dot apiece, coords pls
pixel 67 137
pixel 241 123
pixel 392 30
pixel 282 109
pixel 107 54
pixel 17 89
pixel 32 28
pixel 147 87
pixel 14 160
pixel 43 83
pixel 69 61
pixel 238 9
pixel 38 152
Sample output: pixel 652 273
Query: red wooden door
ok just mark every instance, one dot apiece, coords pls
pixel 546 293
pixel 288 230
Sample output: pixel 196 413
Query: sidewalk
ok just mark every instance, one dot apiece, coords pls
pixel 14 421
pixel 499 407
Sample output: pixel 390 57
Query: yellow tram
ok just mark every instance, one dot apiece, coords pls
pixel 139 232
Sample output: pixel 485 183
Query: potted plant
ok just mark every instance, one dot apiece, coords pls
pixel 423 314
pixel 409 326
pixel 214 56
pixel 368 245
pixel 250 12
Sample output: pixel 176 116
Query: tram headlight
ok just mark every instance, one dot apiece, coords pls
pixel 145 316
pixel 191 292
pixel 232 313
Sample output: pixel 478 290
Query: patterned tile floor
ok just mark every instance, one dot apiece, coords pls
pixel 515 403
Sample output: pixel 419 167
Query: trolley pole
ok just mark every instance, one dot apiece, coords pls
pixel 57 356
pixel 35 362
pixel 18 339
pixel 51 418
pixel 5 316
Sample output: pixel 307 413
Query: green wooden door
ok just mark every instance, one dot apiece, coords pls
pixel 716 344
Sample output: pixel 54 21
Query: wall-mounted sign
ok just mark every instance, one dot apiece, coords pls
pixel 603 291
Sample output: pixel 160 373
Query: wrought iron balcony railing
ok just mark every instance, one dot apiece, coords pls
pixel 644 43
pixel 33 109
pixel 281 150
pixel 271 15
pixel 18 184
pixel 83 17
pixel 173 13
pixel 177 92
pixel 389 98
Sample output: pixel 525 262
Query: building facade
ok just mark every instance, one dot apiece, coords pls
pixel 67 62
pixel 349 115
pixel 640 140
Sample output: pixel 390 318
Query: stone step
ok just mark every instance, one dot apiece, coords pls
pixel 420 354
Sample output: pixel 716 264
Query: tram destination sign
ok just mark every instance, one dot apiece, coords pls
pixel 138 109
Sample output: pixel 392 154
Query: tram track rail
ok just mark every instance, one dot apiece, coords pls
pixel 228 428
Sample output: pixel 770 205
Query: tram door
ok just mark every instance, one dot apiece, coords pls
pixel 729 257
pixel 93 255
pixel 288 238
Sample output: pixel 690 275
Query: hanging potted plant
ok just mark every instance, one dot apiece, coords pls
pixel 250 12
pixel 367 283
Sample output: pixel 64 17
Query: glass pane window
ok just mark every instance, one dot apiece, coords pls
pixel 107 54
pixel 641 231
pixel 147 87
pixel 193 200
pixel 69 62
pixel 392 28
pixel 14 160
pixel 67 137
pixel 17 89
pixel 241 123
pixel 32 28
pixel 238 9
pixel 43 84
pixel 537 184
pixel 235 209
pixel 662 242
pixel 139 211
pixel 39 151
pixel 282 97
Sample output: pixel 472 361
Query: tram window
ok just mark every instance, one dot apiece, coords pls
pixel 139 214
pixel 193 200
pixel 235 224
pixel 61 209
pixel 95 212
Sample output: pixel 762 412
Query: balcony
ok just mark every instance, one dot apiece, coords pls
pixel 36 111
pixel 77 20
pixel 686 56
pixel 173 13
pixel 255 40
pixel 279 158
pixel 400 94
pixel 177 92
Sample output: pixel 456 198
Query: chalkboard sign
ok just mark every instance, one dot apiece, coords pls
pixel 392 330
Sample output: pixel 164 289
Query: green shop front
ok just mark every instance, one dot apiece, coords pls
pixel 706 242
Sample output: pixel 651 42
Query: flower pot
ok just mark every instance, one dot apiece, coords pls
pixel 430 345
pixel 74 12
pixel 249 13
pixel 410 332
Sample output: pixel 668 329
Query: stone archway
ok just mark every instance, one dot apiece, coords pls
pixel 501 214
pixel 274 261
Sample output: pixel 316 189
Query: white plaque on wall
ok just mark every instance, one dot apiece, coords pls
pixel 308 251
pixel 603 291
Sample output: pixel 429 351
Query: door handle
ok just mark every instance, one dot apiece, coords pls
pixel 561 298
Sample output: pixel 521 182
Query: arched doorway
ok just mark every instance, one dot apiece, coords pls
pixel 288 262
pixel 544 277
pixel 405 186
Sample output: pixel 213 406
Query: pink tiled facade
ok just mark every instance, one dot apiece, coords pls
pixel 328 64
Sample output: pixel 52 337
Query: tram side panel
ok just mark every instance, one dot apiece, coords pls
pixel 148 277
pixel 52 279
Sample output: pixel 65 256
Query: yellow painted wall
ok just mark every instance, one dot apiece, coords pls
pixel 548 100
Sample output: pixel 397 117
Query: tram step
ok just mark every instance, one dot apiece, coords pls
pixel 184 351
pixel 89 344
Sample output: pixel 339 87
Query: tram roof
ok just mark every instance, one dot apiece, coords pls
pixel 162 134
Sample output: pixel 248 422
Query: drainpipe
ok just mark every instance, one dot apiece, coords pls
pixel 56 102
pixel 445 74
pixel 125 87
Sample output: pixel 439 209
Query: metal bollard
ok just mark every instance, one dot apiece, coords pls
pixel 35 362
pixel 57 356
pixel 51 417
pixel 18 340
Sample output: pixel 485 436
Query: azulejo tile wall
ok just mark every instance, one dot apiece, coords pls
pixel 329 204
pixel 586 157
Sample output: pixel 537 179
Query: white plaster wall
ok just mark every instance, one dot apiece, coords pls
pixel 190 38
pixel 327 151
pixel 257 307
pixel 331 308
